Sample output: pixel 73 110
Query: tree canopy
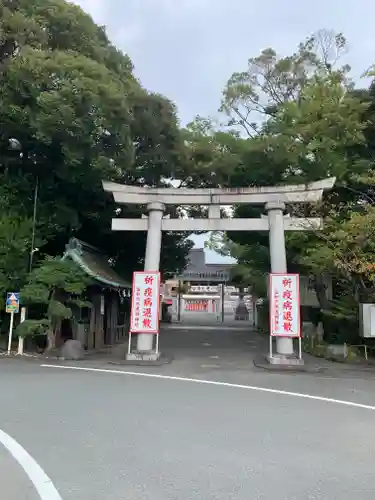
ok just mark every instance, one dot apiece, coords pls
pixel 297 119
pixel 70 98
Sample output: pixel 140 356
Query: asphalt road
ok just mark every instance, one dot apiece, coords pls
pixel 117 437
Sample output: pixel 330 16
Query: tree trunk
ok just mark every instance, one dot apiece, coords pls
pixel 322 330
pixel 321 292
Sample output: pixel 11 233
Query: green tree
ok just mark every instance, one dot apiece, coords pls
pixel 213 156
pixel 313 134
pixel 16 29
pixel 57 286
pixel 253 95
pixel 313 125
pixel 71 99
pixel 14 252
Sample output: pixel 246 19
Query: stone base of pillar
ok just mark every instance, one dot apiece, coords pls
pixel 143 359
pixel 280 359
pixel 143 356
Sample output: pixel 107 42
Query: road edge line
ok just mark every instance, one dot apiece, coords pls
pixel 41 482
pixel 214 382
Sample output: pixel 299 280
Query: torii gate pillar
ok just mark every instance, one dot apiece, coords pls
pixel 275 210
pixel 155 211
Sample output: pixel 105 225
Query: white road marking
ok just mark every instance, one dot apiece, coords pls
pixel 213 382
pixel 36 474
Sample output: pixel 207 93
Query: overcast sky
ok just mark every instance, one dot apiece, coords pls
pixel 187 49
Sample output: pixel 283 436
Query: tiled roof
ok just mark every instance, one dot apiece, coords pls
pixel 94 263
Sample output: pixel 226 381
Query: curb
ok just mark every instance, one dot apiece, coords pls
pixel 163 360
pixel 262 363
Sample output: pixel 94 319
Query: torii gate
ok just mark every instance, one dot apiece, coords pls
pixel 274 198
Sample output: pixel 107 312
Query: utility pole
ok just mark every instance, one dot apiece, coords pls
pixel 32 249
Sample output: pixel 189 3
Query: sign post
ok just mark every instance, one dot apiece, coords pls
pixel 21 339
pixel 285 314
pixel 145 307
pixel 12 307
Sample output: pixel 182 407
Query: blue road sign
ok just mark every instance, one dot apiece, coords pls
pixel 13 302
